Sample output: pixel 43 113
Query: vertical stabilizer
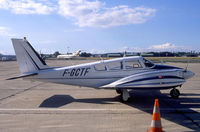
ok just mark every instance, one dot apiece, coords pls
pixel 28 59
pixel 77 53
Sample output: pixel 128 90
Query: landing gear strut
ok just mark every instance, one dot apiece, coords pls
pixel 119 91
pixel 174 93
pixel 124 95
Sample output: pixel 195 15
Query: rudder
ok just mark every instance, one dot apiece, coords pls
pixel 28 59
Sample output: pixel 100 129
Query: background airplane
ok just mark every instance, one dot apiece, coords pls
pixel 69 56
pixel 119 74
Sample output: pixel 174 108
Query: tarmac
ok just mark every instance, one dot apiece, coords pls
pixel 27 106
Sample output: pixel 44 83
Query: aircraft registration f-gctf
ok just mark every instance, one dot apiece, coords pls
pixel 121 74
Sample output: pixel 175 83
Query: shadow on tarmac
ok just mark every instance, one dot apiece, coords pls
pixel 61 100
pixel 178 111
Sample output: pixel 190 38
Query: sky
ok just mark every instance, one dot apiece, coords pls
pixel 100 26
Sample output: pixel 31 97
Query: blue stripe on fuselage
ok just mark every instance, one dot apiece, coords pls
pixel 157 83
pixel 152 78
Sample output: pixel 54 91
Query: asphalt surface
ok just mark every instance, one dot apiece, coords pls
pixel 27 106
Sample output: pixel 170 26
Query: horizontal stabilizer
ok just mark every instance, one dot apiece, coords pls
pixel 22 76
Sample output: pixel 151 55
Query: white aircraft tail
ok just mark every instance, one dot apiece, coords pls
pixel 28 59
pixel 77 53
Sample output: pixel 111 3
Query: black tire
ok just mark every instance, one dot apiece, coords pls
pixel 174 93
pixel 122 100
pixel 119 91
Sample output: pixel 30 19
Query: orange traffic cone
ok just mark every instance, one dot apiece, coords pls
pixel 156 122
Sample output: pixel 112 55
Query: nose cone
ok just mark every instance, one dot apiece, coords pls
pixel 188 74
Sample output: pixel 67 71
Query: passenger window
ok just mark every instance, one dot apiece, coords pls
pixel 148 63
pixel 132 64
pixel 115 65
pixel 100 67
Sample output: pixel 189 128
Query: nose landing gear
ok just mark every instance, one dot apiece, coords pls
pixel 124 94
pixel 174 93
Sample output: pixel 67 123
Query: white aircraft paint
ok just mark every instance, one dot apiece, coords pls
pixel 70 56
pixel 120 74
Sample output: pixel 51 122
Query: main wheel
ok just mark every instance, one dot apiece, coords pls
pixel 174 93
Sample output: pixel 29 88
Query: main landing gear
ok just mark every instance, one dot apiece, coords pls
pixel 124 94
pixel 174 93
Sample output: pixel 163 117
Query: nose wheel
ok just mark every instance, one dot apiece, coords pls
pixel 124 94
pixel 174 93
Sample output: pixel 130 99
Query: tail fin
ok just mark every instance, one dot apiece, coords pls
pixel 28 59
pixel 77 53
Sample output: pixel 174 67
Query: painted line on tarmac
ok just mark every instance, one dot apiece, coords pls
pixel 58 109
pixel 56 126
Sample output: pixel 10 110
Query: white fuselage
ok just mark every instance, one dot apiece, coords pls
pixel 69 56
pixel 156 77
pixel 66 56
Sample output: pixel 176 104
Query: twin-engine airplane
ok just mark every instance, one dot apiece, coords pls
pixel 121 74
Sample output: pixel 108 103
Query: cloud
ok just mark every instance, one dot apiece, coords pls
pixel 154 48
pixel 84 13
pixel 130 49
pixel 165 46
pixel 169 47
pixel 27 6
pixel 121 49
pixel 94 13
pixel 5 31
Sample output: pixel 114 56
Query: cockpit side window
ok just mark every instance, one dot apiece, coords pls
pixel 132 64
pixel 100 67
pixel 117 65
pixel 148 63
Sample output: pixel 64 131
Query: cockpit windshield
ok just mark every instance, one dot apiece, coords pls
pixel 148 63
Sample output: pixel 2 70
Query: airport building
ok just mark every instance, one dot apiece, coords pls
pixel 7 57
